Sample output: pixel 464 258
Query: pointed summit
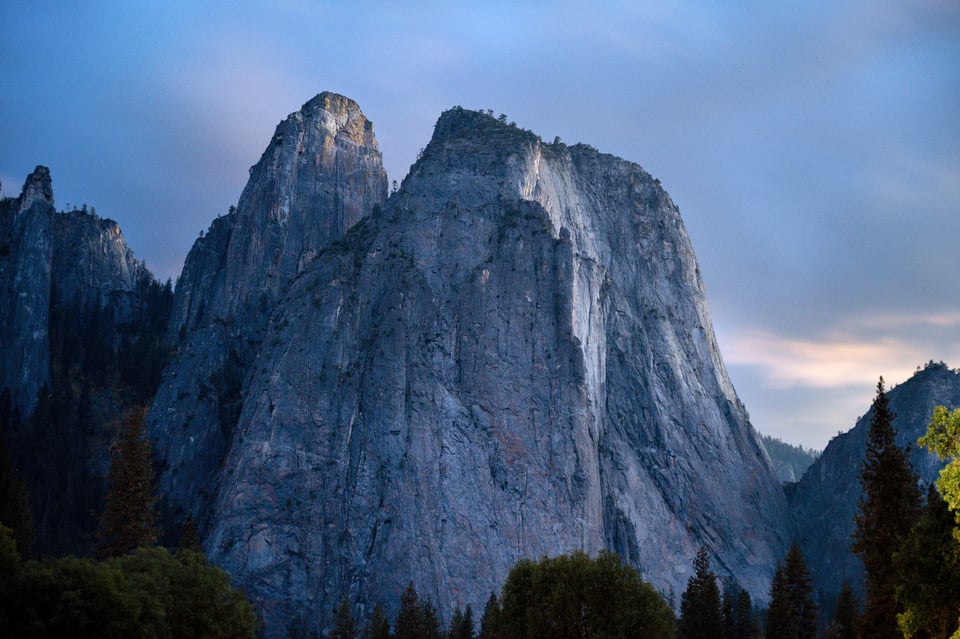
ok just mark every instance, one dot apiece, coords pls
pixel 320 174
pixel 37 188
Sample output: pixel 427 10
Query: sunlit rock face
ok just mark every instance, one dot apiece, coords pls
pixel 512 357
pixel 826 499
pixel 320 174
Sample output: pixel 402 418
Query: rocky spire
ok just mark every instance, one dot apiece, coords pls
pixel 320 174
pixel 37 189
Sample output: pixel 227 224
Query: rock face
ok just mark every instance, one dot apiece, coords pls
pixel 80 317
pixel 511 357
pixel 49 261
pixel 26 254
pixel 320 174
pixel 827 496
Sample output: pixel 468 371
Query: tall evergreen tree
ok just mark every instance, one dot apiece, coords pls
pixel 928 592
pixel 189 538
pixel 491 616
pixel 738 616
pixel 461 624
pixel 416 619
pixel 746 625
pixel 377 626
pixel 700 608
pixel 792 613
pixel 728 607
pixel 344 627
pixel 887 511
pixel 129 519
pixel 14 506
pixel 846 616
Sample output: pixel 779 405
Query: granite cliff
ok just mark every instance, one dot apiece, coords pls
pixel 319 175
pixel 54 264
pixel 826 499
pixel 510 357
pixel 26 255
pixel 81 339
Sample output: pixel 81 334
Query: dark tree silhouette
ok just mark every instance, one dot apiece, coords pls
pixel 887 511
pixel 792 613
pixel 701 616
pixel 129 520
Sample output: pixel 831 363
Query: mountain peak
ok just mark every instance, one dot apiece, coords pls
pixel 339 117
pixel 459 122
pixel 37 188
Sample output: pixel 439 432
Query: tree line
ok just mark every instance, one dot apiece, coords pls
pixel 134 588
pixel 910 547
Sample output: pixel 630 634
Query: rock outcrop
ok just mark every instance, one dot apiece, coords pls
pixel 81 317
pixel 320 174
pixel 26 256
pixel 50 261
pixel 511 357
pixel 826 499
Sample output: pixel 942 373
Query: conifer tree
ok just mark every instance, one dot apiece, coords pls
pixel 846 616
pixel 461 624
pixel 746 625
pixel 14 508
pixel 738 618
pixel 129 520
pixel 377 626
pixel 792 613
pixel 728 611
pixel 189 538
pixel 344 627
pixel 700 608
pixel 887 511
pixel 416 619
pixel 491 616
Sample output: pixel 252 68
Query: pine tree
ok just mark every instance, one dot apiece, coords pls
pixel 377 626
pixel 416 619
pixel 746 625
pixel 738 618
pixel 344 627
pixel 189 538
pixel 700 608
pixel 728 611
pixel 792 613
pixel 491 616
pixel 129 520
pixel 461 624
pixel 14 507
pixel 887 511
pixel 846 616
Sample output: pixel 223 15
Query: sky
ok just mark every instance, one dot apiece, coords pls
pixel 813 147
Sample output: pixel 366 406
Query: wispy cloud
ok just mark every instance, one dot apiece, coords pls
pixel 887 344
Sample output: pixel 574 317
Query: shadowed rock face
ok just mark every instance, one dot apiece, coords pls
pixel 827 497
pixel 26 257
pixel 49 261
pixel 320 174
pixel 512 358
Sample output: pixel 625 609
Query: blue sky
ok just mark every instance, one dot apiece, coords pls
pixel 813 148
